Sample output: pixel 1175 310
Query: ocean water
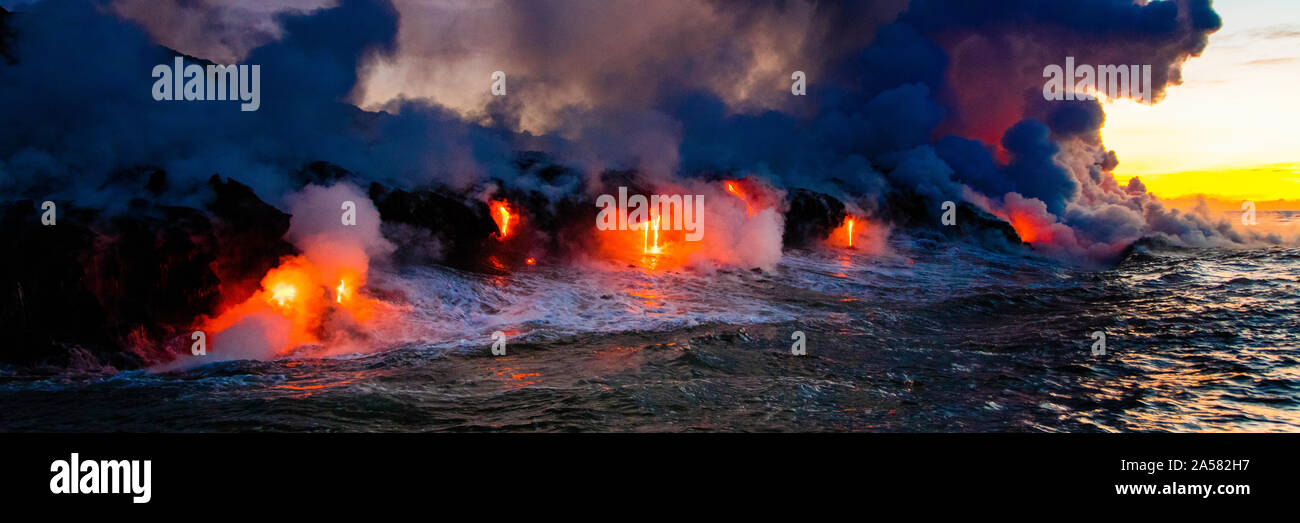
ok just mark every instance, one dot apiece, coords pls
pixel 930 336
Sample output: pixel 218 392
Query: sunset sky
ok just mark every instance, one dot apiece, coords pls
pixel 1230 130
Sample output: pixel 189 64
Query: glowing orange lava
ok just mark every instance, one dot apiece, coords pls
pixel 844 235
pixel 296 294
pixel 283 293
pixel 646 246
pixel 502 215
pixel 733 189
pixel 1030 228
pixel 286 292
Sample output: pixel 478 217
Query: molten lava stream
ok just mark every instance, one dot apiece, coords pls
pixel 845 235
pixel 1030 228
pixel 646 246
pixel 288 291
pixel 649 246
pixel 296 296
pixel 734 189
pixel 502 215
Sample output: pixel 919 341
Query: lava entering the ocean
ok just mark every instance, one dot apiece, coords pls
pixel 843 236
pixel 733 189
pixel 647 247
pixel 295 296
pixel 502 215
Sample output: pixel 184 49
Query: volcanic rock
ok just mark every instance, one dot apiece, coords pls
pixel 251 234
pixel 7 38
pixel 44 301
pixel 908 209
pixel 810 217
pixel 124 288
pixel 460 229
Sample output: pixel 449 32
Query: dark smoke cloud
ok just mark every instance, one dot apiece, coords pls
pixel 220 30
pixel 934 99
pixel 84 111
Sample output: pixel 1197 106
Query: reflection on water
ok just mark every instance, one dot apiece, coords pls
pixel 932 337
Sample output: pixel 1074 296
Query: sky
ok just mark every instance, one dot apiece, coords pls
pixel 1227 132
pixel 1230 130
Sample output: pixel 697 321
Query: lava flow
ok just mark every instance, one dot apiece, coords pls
pixel 293 307
pixel 290 298
pixel 740 226
pixel 501 215
pixel 341 292
pixel 646 246
pixel 733 189
pixel 316 298
pixel 848 232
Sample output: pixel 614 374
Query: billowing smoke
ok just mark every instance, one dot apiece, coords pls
pixel 256 336
pixel 1049 173
pixel 224 31
pixel 919 98
pixel 388 105
pixel 87 111
pixel 337 229
pixel 316 298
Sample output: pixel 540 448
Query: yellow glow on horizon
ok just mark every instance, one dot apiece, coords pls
pixel 1262 183
pixel 1229 130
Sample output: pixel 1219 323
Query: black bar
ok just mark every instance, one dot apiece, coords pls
pixel 242 471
